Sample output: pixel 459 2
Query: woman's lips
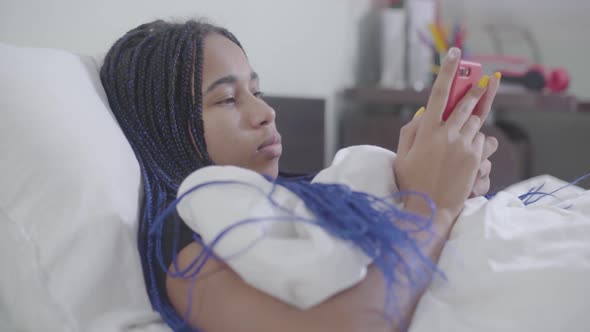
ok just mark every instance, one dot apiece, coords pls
pixel 271 147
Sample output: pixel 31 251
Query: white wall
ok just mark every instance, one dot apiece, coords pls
pixel 303 47
pixel 298 47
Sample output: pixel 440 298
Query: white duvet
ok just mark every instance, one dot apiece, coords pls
pixel 508 267
pixel 511 267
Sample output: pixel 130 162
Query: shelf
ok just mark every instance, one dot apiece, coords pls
pixel 504 100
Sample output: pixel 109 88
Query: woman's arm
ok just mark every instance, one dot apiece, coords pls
pixel 222 302
pixel 435 240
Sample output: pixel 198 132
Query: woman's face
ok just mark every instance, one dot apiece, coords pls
pixel 240 127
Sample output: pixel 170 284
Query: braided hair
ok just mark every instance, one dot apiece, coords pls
pixel 152 77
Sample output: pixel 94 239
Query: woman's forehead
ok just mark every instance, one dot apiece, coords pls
pixel 222 57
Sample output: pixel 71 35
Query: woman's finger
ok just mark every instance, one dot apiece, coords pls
pixel 485 169
pixel 407 134
pixel 478 143
pixel 489 148
pixel 470 129
pixel 441 89
pixel 484 106
pixel 481 187
pixel 465 107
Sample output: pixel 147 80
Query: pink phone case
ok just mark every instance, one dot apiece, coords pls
pixel 468 74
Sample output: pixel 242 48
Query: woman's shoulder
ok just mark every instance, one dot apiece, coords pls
pixel 221 192
pixel 219 175
pixel 352 153
pixel 366 168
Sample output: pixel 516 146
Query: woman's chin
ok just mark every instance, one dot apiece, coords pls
pixel 271 169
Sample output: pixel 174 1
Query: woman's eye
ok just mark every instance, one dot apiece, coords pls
pixel 227 101
pixel 258 94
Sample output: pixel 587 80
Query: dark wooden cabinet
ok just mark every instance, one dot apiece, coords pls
pixel 301 124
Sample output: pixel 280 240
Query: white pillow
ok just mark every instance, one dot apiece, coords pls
pixel 69 193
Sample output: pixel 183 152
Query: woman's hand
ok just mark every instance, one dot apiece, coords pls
pixel 442 159
pixel 482 182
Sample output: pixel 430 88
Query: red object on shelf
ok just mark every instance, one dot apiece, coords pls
pixel 534 77
pixel 559 80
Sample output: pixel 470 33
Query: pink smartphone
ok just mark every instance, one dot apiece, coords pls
pixel 468 74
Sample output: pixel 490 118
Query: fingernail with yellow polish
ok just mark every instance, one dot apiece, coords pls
pixel 420 112
pixel 498 75
pixel 484 81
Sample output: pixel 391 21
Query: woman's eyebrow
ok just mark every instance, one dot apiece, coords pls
pixel 229 79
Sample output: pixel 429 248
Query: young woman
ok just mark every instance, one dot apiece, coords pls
pixel 187 98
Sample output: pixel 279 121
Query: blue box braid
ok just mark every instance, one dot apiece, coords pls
pixel 152 77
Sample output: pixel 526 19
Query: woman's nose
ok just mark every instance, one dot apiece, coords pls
pixel 261 114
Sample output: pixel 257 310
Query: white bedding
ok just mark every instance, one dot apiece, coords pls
pixel 515 268
pixel 508 267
